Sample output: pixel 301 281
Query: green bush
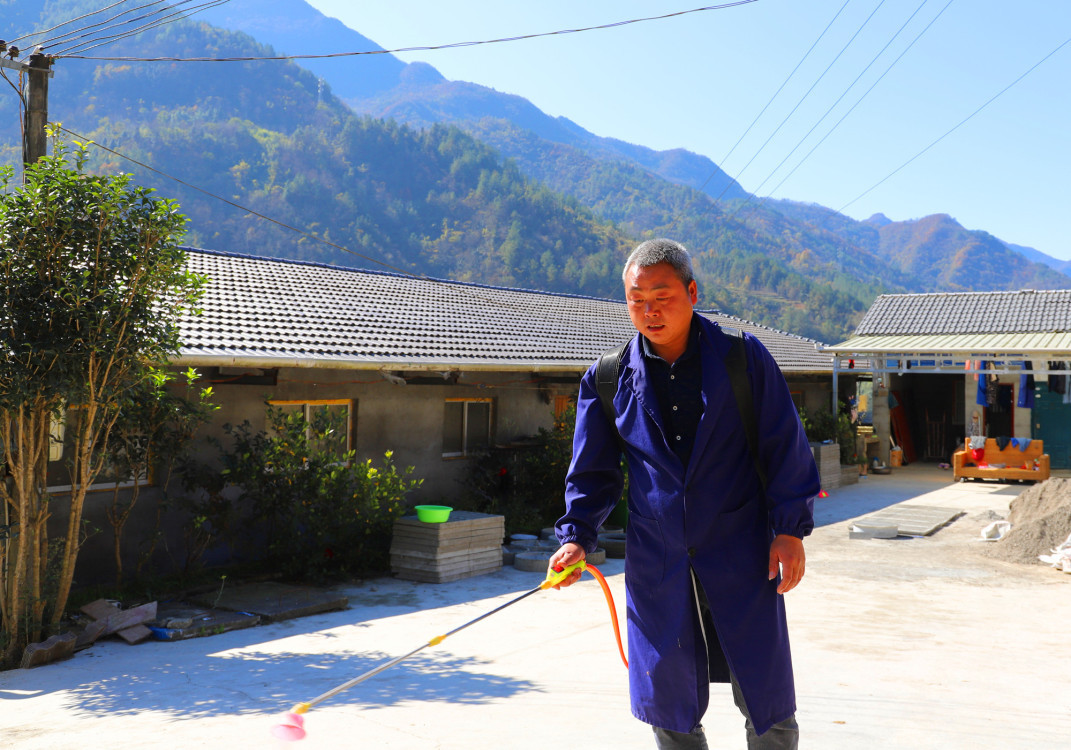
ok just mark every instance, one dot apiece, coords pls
pixel 823 425
pixel 313 510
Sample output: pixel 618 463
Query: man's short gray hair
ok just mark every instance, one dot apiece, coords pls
pixel 652 252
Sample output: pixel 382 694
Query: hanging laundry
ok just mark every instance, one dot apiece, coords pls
pixel 977 442
pixel 1057 380
pixel 1020 443
pixel 1002 441
pixel 980 397
pixel 992 393
pixel 1026 387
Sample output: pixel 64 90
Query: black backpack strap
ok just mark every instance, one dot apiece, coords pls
pixel 606 372
pixel 736 365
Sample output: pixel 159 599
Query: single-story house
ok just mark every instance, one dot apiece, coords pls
pixel 433 370
pixel 928 352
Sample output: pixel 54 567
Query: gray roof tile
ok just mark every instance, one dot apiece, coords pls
pixel 262 307
pixel 1026 311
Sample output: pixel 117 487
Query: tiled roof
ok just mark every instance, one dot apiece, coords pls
pixel 1025 311
pixel 279 312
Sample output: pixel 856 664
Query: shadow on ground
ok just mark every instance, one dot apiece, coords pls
pixel 261 683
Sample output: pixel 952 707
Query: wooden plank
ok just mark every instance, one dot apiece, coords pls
pixel 101 609
pixel 90 633
pixel 128 618
pixel 135 635
pixel 54 649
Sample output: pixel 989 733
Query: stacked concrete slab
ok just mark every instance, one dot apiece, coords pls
pixel 468 544
pixel 827 456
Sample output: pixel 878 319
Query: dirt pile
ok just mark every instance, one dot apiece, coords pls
pixel 1041 521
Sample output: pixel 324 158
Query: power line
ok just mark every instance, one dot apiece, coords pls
pixel 838 101
pixel 808 92
pixel 79 18
pixel 155 23
pixel 957 126
pixel 725 158
pixel 108 24
pixel 858 101
pixel 460 286
pixel 210 194
pixel 454 45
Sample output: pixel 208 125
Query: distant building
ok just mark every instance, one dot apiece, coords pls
pixel 928 351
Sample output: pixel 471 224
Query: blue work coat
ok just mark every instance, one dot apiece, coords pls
pixel 711 518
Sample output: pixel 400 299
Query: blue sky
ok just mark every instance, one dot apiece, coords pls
pixel 698 81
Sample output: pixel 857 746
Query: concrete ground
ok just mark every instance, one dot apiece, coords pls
pixel 905 643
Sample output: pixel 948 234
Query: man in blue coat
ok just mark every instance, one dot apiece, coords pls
pixel 709 552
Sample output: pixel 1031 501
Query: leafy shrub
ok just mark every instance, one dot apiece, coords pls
pixel 312 509
pixel 823 425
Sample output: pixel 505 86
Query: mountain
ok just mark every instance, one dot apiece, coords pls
pixel 936 253
pixel 1063 266
pixel 420 96
pixel 433 202
pixel 553 150
pixel 503 194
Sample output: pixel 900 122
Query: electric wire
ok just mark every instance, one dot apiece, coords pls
pixel 458 286
pixel 79 18
pixel 956 127
pixel 106 24
pixel 780 88
pixel 833 106
pixel 284 225
pixel 857 103
pixel 454 45
pixel 808 92
pixel 155 23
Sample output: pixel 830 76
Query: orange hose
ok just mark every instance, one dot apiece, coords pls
pixel 613 609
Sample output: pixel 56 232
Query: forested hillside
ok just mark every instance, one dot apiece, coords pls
pixel 936 251
pixel 434 202
pixel 467 183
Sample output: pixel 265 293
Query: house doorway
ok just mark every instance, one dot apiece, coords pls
pixel 935 414
pixel 1000 418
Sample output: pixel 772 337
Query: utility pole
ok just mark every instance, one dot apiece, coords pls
pixel 38 71
pixel 34 140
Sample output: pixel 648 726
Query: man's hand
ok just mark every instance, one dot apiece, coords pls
pixel 566 555
pixel 788 552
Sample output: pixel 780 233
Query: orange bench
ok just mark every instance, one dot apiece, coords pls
pixel 964 464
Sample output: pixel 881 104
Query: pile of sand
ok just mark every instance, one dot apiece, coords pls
pixel 1041 521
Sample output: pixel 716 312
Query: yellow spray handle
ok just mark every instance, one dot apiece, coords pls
pixel 554 577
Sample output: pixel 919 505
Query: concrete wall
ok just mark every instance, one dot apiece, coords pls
pixel 407 419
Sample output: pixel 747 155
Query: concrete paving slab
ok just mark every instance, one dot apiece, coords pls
pixel 273 601
pixel 912 520
pixel 924 643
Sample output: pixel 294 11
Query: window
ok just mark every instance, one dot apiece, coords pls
pixel 466 426
pixel 331 416
pixel 63 431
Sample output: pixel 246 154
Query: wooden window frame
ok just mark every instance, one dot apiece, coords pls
pixel 349 403
pixel 465 452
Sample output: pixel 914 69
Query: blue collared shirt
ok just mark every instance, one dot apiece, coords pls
pixel 678 388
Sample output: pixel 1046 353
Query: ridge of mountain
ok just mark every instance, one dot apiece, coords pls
pixel 417 94
pixel 422 97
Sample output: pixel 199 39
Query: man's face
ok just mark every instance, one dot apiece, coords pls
pixel 660 306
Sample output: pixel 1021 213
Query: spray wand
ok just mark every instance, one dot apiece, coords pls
pixel 292 727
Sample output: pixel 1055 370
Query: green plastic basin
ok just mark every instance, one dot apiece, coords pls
pixel 433 513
